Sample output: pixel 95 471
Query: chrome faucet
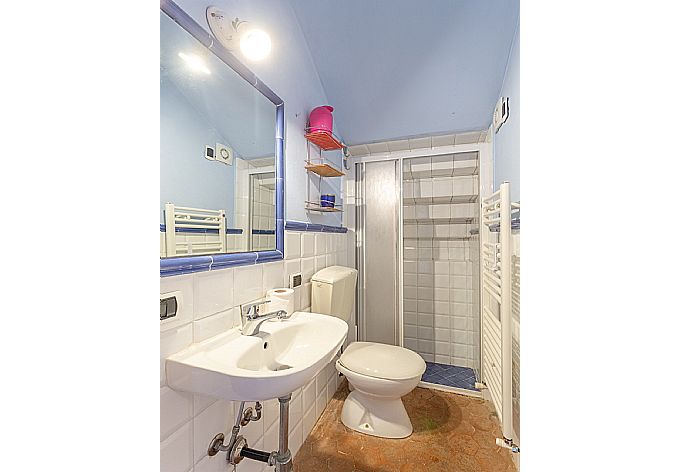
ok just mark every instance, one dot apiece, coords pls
pixel 252 321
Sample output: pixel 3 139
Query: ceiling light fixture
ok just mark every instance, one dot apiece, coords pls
pixel 254 43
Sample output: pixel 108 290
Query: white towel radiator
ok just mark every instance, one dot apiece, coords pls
pixel 496 303
pixel 211 221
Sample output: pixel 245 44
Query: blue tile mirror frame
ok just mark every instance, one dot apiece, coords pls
pixel 187 264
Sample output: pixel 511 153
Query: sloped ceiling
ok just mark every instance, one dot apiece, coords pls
pixel 401 68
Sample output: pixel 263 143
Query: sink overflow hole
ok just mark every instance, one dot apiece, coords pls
pixel 265 345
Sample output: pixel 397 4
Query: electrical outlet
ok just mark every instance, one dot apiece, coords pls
pixel 169 305
pixel 295 280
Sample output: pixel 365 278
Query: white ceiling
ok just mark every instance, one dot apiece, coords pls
pixel 403 68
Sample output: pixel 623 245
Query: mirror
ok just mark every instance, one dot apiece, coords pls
pixel 218 150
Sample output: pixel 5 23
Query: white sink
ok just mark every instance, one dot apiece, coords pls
pixel 282 357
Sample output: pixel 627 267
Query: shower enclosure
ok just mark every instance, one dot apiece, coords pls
pixel 418 258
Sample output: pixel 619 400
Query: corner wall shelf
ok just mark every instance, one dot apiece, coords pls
pixel 325 140
pixel 323 170
pixel 315 206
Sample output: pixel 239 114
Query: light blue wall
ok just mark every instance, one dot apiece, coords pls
pixel 184 133
pixel 507 140
pixel 289 71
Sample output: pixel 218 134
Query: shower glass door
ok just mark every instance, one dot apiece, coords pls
pixel 377 231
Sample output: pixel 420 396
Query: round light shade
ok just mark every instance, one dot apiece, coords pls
pixel 255 44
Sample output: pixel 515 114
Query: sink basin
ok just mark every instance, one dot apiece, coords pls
pixel 282 357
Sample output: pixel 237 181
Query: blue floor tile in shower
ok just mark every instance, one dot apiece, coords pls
pixel 449 375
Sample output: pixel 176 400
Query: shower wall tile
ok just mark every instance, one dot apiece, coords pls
pixel 440 294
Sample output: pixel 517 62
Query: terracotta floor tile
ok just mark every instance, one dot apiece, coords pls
pixel 451 433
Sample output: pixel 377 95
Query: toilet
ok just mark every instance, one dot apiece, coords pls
pixel 378 374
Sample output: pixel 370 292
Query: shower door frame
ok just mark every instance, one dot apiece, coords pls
pixel 486 186
pixel 360 252
pixel 253 175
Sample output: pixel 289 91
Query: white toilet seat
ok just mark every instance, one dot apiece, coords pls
pixel 382 361
pixel 379 375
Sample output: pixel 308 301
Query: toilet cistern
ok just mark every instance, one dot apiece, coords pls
pixel 252 321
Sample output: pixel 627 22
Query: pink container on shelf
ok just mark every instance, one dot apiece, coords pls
pixel 321 118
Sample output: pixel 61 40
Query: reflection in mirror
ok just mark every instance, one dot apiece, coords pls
pixel 217 153
pixel 262 211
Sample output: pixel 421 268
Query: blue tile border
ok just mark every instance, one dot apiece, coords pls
pixel 185 265
pixel 222 261
pixel 313 227
pixel 203 230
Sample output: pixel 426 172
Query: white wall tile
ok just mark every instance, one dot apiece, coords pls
pixel 295 409
pixel 321 262
pixel 309 394
pixel 321 402
pixel 295 438
pixel 273 275
pixel 308 244
pixel 270 412
pixel 217 418
pixel 212 292
pixel 176 450
pixel 341 259
pixel 248 284
pixel 216 463
pixel 321 246
pixel 172 341
pixel 307 268
pixel 292 245
pixel 298 297
pixel 212 325
pixel 332 385
pixel 309 419
pixel 175 410
pixel 291 267
pixel 306 296
pixel 201 402
pixel 271 437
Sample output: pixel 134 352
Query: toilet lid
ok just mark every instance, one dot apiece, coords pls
pixel 383 361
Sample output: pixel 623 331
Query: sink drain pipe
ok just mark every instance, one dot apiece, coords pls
pixel 238 449
pixel 255 454
pixel 283 460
